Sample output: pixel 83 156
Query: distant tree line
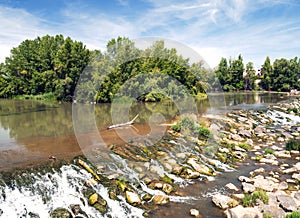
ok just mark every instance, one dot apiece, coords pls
pixel 53 64
pixel 281 75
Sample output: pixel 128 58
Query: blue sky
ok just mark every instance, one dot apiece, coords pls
pixel 213 28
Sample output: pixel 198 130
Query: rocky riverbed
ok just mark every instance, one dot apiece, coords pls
pixel 143 177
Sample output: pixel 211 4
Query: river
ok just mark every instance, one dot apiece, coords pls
pixel 35 132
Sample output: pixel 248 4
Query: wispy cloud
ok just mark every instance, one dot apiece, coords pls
pixel 215 28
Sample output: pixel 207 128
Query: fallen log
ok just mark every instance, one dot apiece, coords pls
pixel 123 124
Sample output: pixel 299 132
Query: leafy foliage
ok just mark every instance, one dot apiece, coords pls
pixel 250 199
pixel 294 214
pixel 50 64
pixel 281 75
pixel 293 144
pixel 269 151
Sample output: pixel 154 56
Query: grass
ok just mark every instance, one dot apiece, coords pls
pixel 250 199
pixel 187 126
pixel 269 151
pixel 293 144
pixel 294 214
pixel 44 97
pixel 244 146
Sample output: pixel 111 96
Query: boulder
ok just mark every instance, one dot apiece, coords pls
pixel 243 212
pixel 231 186
pixel 264 184
pixel 273 211
pixel 223 201
pixel 160 199
pixel 287 202
pixel 245 133
pixel 194 212
pixel 248 188
pixel 132 198
pixel 200 168
pixel 60 213
pixel 296 176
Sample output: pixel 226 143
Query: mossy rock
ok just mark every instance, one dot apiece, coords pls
pixel 60 213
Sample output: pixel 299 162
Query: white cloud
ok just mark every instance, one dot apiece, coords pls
pixel 216 28
pixel 16 26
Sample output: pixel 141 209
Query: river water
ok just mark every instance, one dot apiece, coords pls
pixel 33 131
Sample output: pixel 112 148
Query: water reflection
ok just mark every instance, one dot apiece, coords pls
pixel 38 128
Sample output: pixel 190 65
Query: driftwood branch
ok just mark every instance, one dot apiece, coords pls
pixel 123 124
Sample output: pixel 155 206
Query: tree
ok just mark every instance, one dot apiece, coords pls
pixel 45 64
pixel 267 74
pixel 249 76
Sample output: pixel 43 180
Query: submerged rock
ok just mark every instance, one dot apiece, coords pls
pixel 200 168
pixel 132 198
pixel 194 212
pixel 160 199
pixel 60 213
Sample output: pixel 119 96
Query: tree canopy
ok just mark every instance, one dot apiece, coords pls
pixel 282 75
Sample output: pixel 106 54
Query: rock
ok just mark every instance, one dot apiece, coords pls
pixel 60 213
pixel 249 142
pixel 248 188
pixel 160 199
pixel 242 212
pixel 93 199
pixel 231 186
pixel 264 184
pixel 200 168
pixel 236 137
pixel 245 179
pixel 181 155
pixel 189 174
pixel 147 197
pixel 132 198
pixel 296 176
pixel 259 170
pixel 273 211
pixel 30 214
pixel 224 150
pixel 167 188
pixel 238 196
pixel 280 139
pixel 194 212
pixel 290 170
pixel 268 161
pixel 76 209
pixel 223 201
pixel 245 133
pixel 283 186
pixel 240 155
pixel 287 202
pixel 282 154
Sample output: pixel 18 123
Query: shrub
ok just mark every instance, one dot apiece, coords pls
pixel 294 214
pixel 203 131
pixel 175 128
pixel 244 146
pixel 250 199
pixel 295 110
pixel 269 151
pixel 293 144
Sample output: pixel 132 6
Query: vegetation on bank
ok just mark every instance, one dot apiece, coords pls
pixel 282 75
pixel 54 67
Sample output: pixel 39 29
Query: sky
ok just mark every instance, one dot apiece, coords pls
pixel 213 28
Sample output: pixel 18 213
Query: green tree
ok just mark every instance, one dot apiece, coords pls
pixel 249 76
pixel 267 74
